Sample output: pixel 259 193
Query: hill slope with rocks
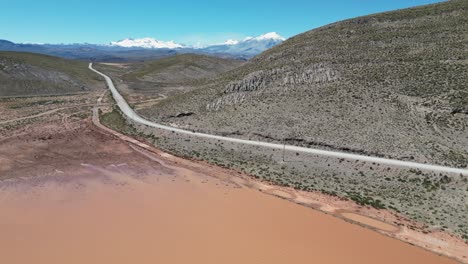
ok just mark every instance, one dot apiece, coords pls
pixel 180 69
pixel 164 77
pixel 28 74
pixel 392 84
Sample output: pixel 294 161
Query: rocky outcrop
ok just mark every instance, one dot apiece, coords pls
pixel 252 82
pixel 314 74
pixel 229 99
pixel 237 92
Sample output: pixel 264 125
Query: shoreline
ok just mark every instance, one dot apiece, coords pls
pixel 454 247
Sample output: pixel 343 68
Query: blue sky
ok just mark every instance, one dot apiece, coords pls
pixel 187 22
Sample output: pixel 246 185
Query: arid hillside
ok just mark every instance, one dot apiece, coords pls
pixel 28 74
pixel 147 83
pixel 181 69
pixel 392 84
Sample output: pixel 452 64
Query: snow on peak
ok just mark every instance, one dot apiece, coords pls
pixel 268 36
pixel 265 37
pixel 146 43
pixel 271 35
pixel 231 42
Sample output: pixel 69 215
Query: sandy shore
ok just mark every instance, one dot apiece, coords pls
pixel 85 197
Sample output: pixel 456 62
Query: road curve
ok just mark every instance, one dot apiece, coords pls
pixel 128 111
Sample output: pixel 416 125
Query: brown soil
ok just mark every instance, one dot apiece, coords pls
pixel 370 222
pixel 82 196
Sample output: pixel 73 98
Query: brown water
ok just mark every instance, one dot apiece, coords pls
pixel 173 219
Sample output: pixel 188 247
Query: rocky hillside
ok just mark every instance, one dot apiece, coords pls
pixel 166 76
pixel 392 84
pixel 26 74
pixel 181 69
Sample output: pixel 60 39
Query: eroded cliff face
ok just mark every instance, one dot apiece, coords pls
pixel 283 79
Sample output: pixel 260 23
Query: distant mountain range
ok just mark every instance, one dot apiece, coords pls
pixel 147 43
pixel 249 47
pixel 147 49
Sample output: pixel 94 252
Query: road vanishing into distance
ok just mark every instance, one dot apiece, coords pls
pixel 128 111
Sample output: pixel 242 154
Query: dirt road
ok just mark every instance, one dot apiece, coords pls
pixel 130 113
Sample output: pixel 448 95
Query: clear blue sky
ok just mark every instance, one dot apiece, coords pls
pixel 187 22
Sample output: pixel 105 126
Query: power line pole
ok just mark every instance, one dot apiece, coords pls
pixel 284 148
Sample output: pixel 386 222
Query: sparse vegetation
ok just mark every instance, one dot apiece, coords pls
pixel 180 69
pixel 28 74
pixel 379 85
pixel 366 200
pixel 413 193
pixel 115 121
pixel 390 84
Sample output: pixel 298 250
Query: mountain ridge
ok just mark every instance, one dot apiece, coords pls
pixel 30 74
pixel 131 50
pixel 149 42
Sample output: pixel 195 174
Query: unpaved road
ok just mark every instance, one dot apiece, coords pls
pixel 43 113
pixel 128 111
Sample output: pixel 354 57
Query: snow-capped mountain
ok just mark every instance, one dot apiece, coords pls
pixel 147 48
pixel 148 43
pixel 230 42
pixel 249 46
pixel 267 36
